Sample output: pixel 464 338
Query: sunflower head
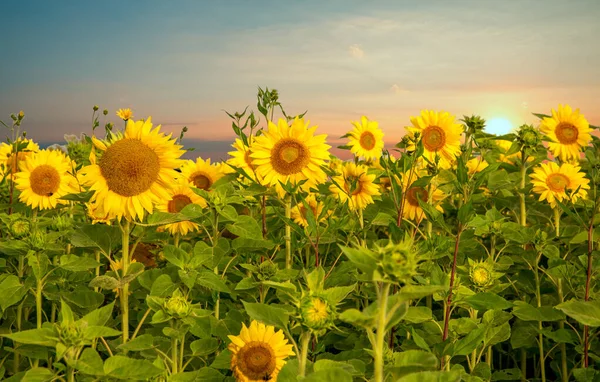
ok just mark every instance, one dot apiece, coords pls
pixel 125 114
pixel 413 193
pixel 568 132
pixel 300 211
pixel 72 334
pixel 180 196
pixel 476 165
pixel 177 305
pixel 563 183
pixel 316 312
pixel 258 353
pixel 19 227
pixel 12 155
pixel 481 273
pixel 366 139
pixel 201 173
pixel 355 186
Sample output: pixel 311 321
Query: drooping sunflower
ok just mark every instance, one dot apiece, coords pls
pixel 9 161
pixel 180 196
pixel 366 139
pixel 125 114
pixel 568 130
pixel 299 211
pixel 258 353
pixel 290 154
pixel 201 173
pixel 357 187
pixel 412 210
pixel 135 170
pixel 440 135
pixel 44 178
pixel 551 182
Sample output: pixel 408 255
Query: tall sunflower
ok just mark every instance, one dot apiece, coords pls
pixel 44 178
pixel 135 170
pixel 568 130
pixel 9 161
pixel 201 173
pixel 355 186
pixel 290 154
pixel 440 135
pixel 551 182
pixel 412 194
pixel 180 196
pixel 366 139
pixel 258 353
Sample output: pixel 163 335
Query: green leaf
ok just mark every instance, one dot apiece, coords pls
pixel 362 258
pixel 358 318
pixel 585 374
pixel 418 314
pixel 206 374
pixel 246 227
pixel 432 376
pixel 486 301
pixel 203 255
pixel 162 286
pixel 104 282
pixel 242 242
pixel 210 280
pixel 415 358
pixel 139 343
pixel 86 299
pixel 90 363
pixel 175 256
pixel 335 295
pixel 204 347
pixel 415 292
pixel 585 312
pixel 527 312
pixel 74 263
pixel 130 369
pixel 39 264
pixel 92 332
pixel 43 336
pixel 497 334
pixel 11 291
pixel 419 341
pixel 38 374
pixel 101 236
pixel 99 317
pixel 267 314
pixel 329 375
pixel 469 343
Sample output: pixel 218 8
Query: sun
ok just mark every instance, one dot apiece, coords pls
pixel 498 126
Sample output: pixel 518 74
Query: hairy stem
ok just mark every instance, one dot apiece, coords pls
pixel 304 341
pixel 288 233
pixel 539 304
pixel 586 330
pixel 125 290
pixel 380 339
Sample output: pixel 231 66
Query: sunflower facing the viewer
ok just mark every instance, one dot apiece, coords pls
pixel 258 353
pixel 181 196
pixel 412 194
pixel 366 139
pixel 44 178
pixel 201 173
pixel 568 130
pixel 551 182
pixel 9 161
pixel 358 186
pixel 440 135
pixel 125 114
pixel 134 172
pixel 290 154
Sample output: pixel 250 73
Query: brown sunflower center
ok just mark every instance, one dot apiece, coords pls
pixel 256 359
pixel 414 194
pixel 557 182
pixel 367 140
pixel 289 156
pixel 566 133
pixel 44 180
pixel 304 211
pixel 201 180
pixel 177 203
pixel 353 181
pixel 129 167
pixel 434 138
pixel 248 159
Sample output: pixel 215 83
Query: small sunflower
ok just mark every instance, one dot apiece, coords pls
pixel 44 178
pixel 125 114
pixel 476 165
pixel 290 154
pixel 180 196
pixel 9 161
pixel 412 210
pixel 258 353
pixel 358 186
pixel 551 182
pixel 316 312
pixel 440 135
pixel 366 139
pixel 201 174
pixel 568 130
pixel 299 211
pixel 135 170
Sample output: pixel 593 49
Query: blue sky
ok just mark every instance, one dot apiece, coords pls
pixel 183 62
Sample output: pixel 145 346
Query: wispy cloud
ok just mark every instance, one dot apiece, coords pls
pixel 356 51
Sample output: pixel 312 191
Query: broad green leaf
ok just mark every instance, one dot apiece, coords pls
pixel 497 334
pixel 14 247
pixel 415 292
pixel 163 286
pixel 11 291
pixel 358 318
pixel 92 332
pixel 204 347
pixel 104 282
pixel 39 264
pixel 585 312
pixel 267 314
pixel 486 301
pixel 74 263
pixel 101 236
pixel 99 317
pixel 329 375
pixel 432 376
pixel 175 256
pixel 121 367
pixel 527 312
pixel 210 280
pixel 362 258
pixel 245 243
pixel 38 374
pixel 418 314
pixel 326 364
pixel 43 336
pixel 246 227
pixel 416 358
pixel 84 298
pixel 335 295
pixel 90 362
pixel 206 374
pixel 585 374
pixel 203 255
pixel 469 343
pixel 139 343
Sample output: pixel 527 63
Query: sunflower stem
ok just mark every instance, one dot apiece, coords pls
pixel 125 290
pixel 17 358
pixel 380 339
pixel 174 357
pixel 539 304
pixel 523 221
pixel 288 232
pixel 564 369
pixel 586 330
pixel 304 341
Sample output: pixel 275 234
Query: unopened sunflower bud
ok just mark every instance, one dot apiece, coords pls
pixel 72 334
pixel 19 228
pixel 482 274
pixel 13 117
pixel 529 136
pixel 266 270
pixel 21 115
pixel 105 111
pixel 95 108
pixel 317 314
pixel 62 223
pixel 38 240
pixel 398 261
pixel 177 305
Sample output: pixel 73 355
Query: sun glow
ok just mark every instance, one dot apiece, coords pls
pixel 498 126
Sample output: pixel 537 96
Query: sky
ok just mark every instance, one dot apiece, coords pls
pixel 185 62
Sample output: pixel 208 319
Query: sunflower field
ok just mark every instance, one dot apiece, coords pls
pixel 457 255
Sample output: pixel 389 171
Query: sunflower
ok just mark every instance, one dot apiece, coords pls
pixel 44 178
pixel 476 165
pixel 97 215
pixel 258 353
pixel 241 158
pixel 358 186
pixel 412 210
pixel 201 174
pixel 9 161
pixel 135 170
pixel 125 114
pixel 440 135
pixel 568 130
pixel 180 196
pixel 299 212
pixel 504 146
pixel 290 154
pixel 551 182
pixel 366 139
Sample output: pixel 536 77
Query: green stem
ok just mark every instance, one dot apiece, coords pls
pixel 380 339
pixel 125 289
pixel 174 357
pixel 97 253
pixel 181 348
pixel 20 272
pixel 523 221
pixel 539 304
pixel 215 241
pixel 288 233
pixel 564 369
pixel 304 341
pixel 523 365
pixel 38 302
pixel 176 240
pixel 70 374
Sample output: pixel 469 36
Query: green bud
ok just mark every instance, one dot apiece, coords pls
pixel 398 262
pixel 19 228
pixel 266 270
pixel 481 273
pixel 38 240
pixel 61 223
pixel 95 108
pixel 105 111
pixel 72 334
pixel 177 305
pixel 317 314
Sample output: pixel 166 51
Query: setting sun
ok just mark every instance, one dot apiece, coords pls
pixel 498 126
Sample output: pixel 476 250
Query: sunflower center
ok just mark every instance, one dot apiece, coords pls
pixel 177 203
pixel 481 275
pixel 129 167
pixel 557 182
pixel 318 310
pixel 367 140
pixel 289 156
pixel 414 194
pixel 248 159
pixel 201 180
pixel 44 180
pixel 434 138
pixel 256 359
pixel 566 133
pixel 352 180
